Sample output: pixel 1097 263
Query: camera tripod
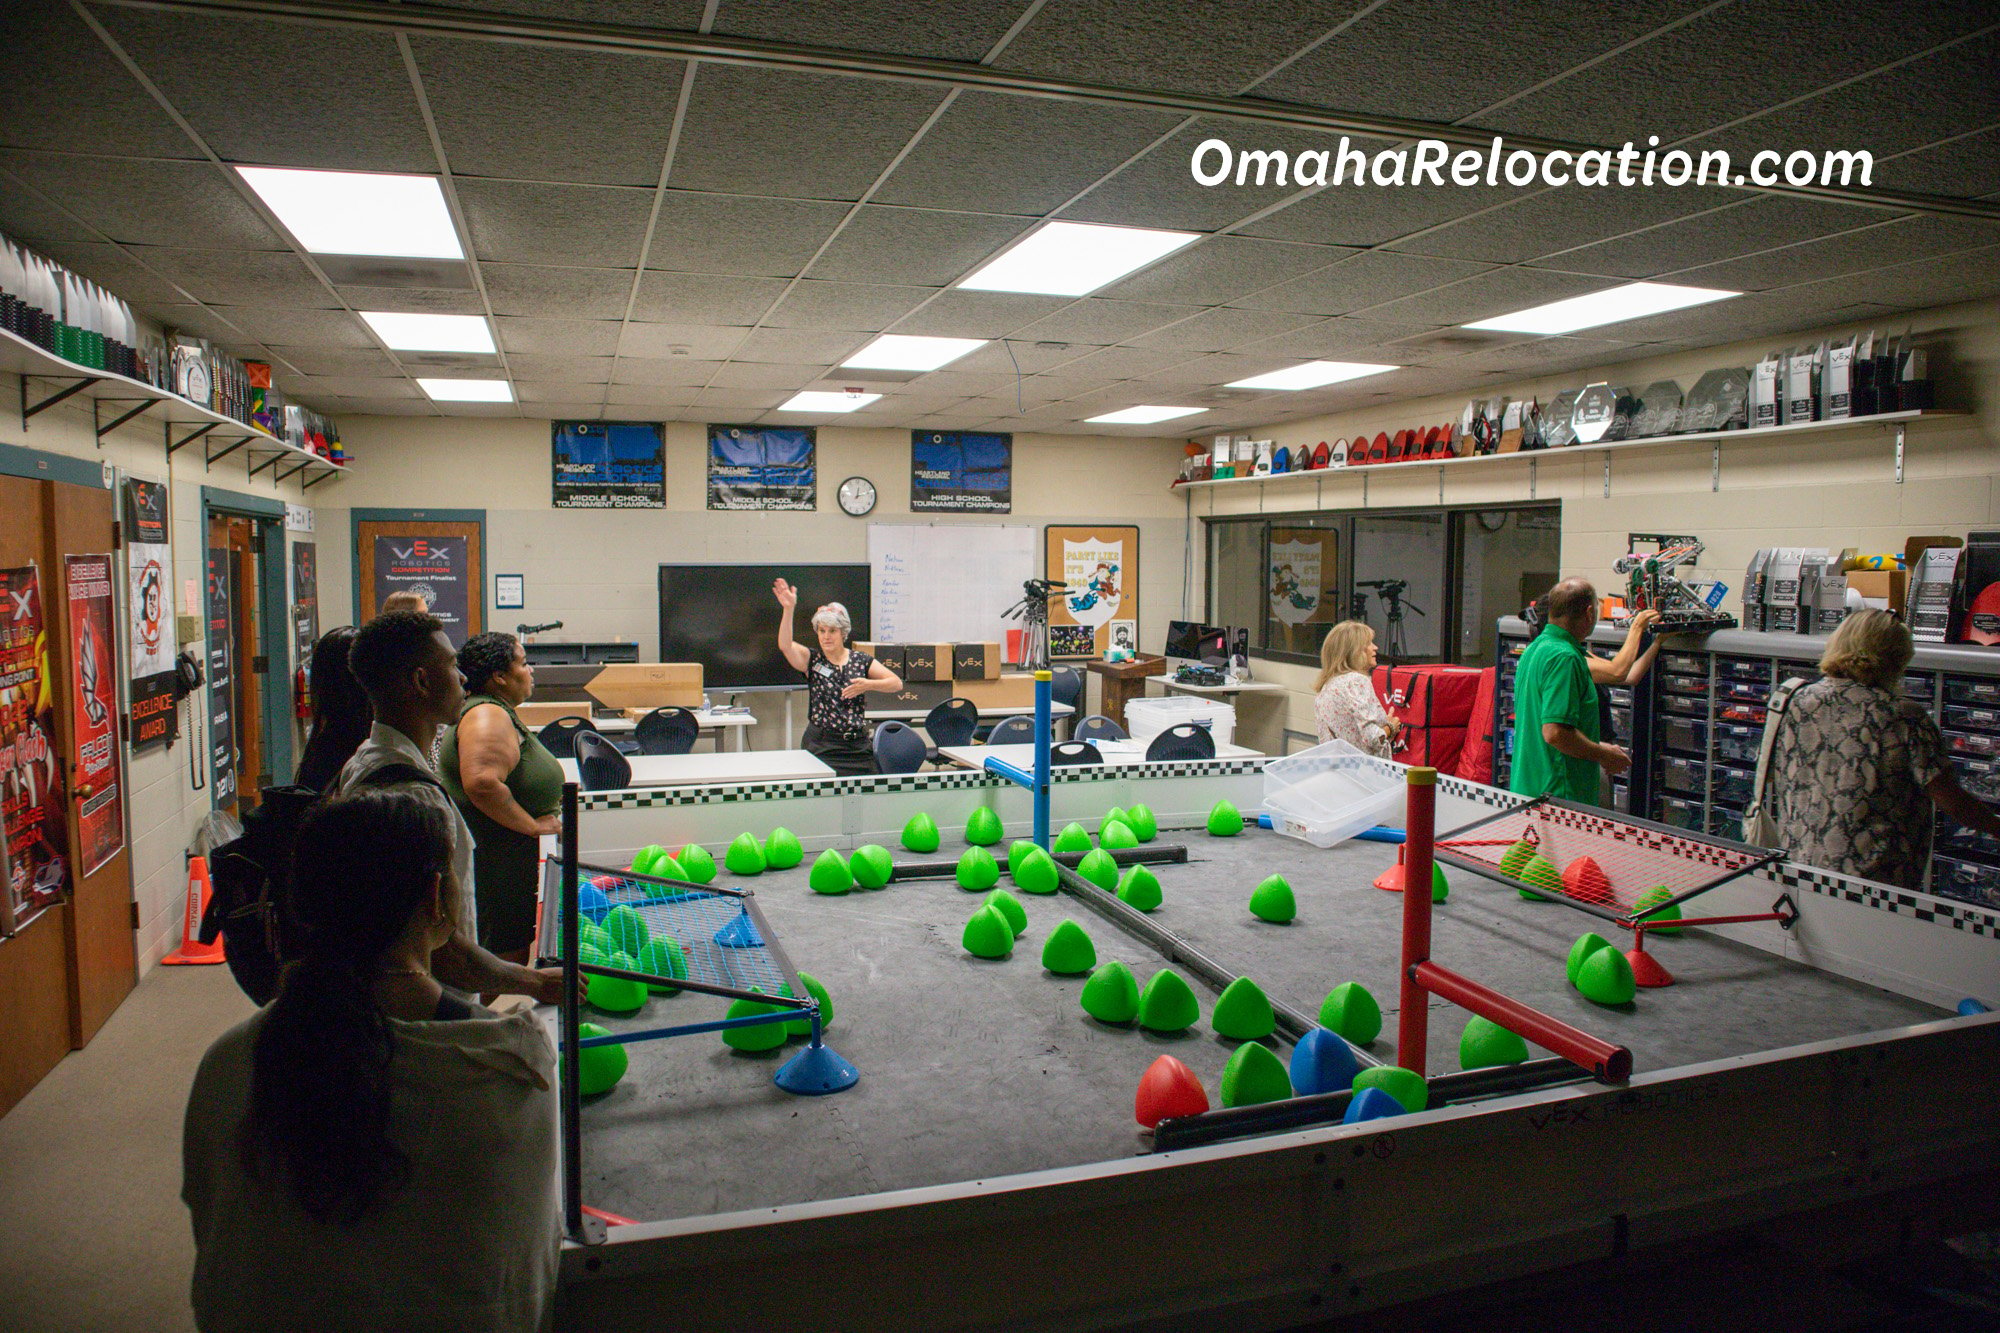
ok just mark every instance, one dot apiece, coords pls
pixel 1033 611
pixel 1395 644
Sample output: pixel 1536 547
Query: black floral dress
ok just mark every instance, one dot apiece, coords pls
pixel 836 728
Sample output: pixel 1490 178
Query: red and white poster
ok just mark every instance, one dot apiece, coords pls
pixel 32 794
pixel 100 814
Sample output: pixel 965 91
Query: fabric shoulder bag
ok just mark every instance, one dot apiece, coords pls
pixel 1759 829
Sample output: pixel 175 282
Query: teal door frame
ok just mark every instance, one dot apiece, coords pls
pixel 274 642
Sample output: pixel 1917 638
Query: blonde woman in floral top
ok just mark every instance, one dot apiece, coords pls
pixel 1344 700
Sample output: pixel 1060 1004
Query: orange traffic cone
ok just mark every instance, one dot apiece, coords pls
pixel 192 950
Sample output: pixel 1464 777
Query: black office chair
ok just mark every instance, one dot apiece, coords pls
pixel 1012 731
pixel 667 731
pixel 1065 685
pixel 951 723
pixel 898 748
pixel 1186 741
pixel 1074 752
pixel 602 767
pixel 560 735
pixel 1098 727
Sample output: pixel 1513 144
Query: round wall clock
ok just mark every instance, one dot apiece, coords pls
pixel 857 496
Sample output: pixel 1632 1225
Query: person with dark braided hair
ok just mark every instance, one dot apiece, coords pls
pixel 368 1152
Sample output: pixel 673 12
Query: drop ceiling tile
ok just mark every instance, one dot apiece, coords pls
pixel 1929 282
pixel 113 269
pixel 118 116
pixel 1220 328
pixel 1125 362
pixel 650 395
pixel 957 313
pixel 338 362
pixel 964 383
pixel 1362 282
pixel 1218 369
pixel 574 369
pixel 356 386
pixel 701 342
pixel 1968 167
pixel 942 32
pixel 415 300
pixel 765 376
pixel 673 15
pixel 1373 214
pixel 558 409
pixel 1102 321
pixel 844 305
pixel 1032 358
pixel 736 233
pixel 1542 356
pixel 556 391
pixel 557 293
pixel 1867 247
pixel 237 277
pixel 1159 189
pixel 218 326
pixel 921 247
pixel 1219 269
pixel 800 346
pixel 663 371
pixel 691 298
pixel 148 203
pixel 738 400
pixel 1183 48
pixel 1746 226
pixel 561 337
pixel 35 220
pixel 1346 339
pixel 531 223
pixel 1554 223
pixel 395 407
pixel 1484 295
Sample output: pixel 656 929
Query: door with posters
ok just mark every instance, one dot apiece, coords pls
pixel 237 662
pixel 441 561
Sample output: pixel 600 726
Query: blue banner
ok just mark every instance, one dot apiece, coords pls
pixel 961 472
pixel 762 467
pixel 608 465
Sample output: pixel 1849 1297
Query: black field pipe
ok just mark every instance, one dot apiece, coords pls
pixel 1168 854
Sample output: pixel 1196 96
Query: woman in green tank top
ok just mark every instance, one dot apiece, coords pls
pixel 507 785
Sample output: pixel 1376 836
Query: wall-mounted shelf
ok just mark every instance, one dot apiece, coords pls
pixel 117 401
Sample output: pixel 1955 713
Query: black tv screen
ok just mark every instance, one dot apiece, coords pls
pixel 724 617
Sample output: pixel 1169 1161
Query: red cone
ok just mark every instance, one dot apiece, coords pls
pixel 1586 882
pixel 1168 1089
pixel 1646 969
pixel 1391 880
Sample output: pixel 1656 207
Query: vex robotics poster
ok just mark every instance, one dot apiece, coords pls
pixel 608 465
pixel 962 472
pixel 93 724
pixel 32 791
pixel 763 467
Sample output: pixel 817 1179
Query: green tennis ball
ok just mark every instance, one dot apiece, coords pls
pixel 1485 1042
pixel 756 1036
pixel 615 995
pixel 1406 1086
pixel 830 874
pixel 1273 901
pixel 920 834
pixel 598 1068
pixel 642 860
pixel 1225 820
pixel 1010 907
pixel 1100 869
pixel 1116 834
pixel 1112 994
pixel 1605 977
pixel 872 866
pixel 977 870
pixel 1517 856
pixel 1072 839
pixel 1068 951
pixel 784 850
pixel 987 934
pixel 1140 888
pixel 745 855
pixel 1652 898
pixel 982 827
pixel 1140 820
pixel 1243 1012
pixel 1168 1004
pixel 1254 1074
pixel 627 929
pixel 696 864
pixel 1352 1012
pixel 663 957
pixel 1037 873
pixel 1017 853
pixel 802 1027
pixel 1586 945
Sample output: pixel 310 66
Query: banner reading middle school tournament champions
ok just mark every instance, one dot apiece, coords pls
pixel 149 603
pixel 1100 609
pixel 33 795
pixel 961 472
pixel 763 467
pixel 608 464
pixel 93 724
pixel 434 569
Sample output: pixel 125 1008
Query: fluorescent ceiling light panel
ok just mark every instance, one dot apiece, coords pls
pixel 430 333
pixel 900 351
pixel 819 400
pixel 359 212
pixel 1074 259
pixel 1144 416
pixel 468 391
pixel 1635 300
pixel 1311 375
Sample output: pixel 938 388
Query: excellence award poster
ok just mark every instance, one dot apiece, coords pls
pixel 93 679
pixel 33 796
pixel 1100 563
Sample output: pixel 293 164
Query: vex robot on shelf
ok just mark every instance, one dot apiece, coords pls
pixel 1652 585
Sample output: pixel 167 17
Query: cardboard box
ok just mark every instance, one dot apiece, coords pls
pixel 1888 586
pixel 975 661
pixel 920 695
pixel 648 685
pixel 535 716
pixel 926 662
pixel 1014 690
pixel 888 654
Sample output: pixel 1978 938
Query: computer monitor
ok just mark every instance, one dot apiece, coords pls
pixel 1192 640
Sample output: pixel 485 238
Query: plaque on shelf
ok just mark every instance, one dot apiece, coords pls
pixel 1720 400
pixel 1558 431
pixel 1659 410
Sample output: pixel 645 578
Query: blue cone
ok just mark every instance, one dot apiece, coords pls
pixel 591 902
pixel 1968 1006
pixel 1371 1104
pixel 816 1071
pixel 1322 1062
pixel 740 933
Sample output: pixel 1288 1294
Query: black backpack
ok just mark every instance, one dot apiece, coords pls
pixel 251 879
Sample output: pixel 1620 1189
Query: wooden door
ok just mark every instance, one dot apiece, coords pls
pixel 441 558
pixel 232 539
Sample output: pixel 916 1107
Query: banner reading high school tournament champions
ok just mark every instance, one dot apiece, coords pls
pixel 608 465
pixel 93 682
pixel 956 471
pixel 763 467
pixel 149 603
pixel 33 795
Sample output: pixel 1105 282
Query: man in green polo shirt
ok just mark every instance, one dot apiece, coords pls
pixel 1556 750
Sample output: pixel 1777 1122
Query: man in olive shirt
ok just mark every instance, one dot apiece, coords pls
pixel 1556 749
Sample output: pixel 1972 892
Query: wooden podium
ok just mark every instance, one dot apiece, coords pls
pixel 1124 681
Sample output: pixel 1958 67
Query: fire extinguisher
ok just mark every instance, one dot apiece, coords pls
pixel 301 696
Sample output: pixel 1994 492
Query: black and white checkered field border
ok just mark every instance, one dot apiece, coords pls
pixel 1942 912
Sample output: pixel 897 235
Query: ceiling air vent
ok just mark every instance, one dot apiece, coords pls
pixel 395 271
pixel 1456 342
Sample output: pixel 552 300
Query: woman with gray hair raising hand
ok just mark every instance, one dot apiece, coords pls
pixel 836 678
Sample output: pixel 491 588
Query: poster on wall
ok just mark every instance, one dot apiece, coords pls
pixel 763 467
pixel 434 568
pixel 1301 588
pixel 608 464
pixel 1100 565
pixel 305 601
pixel 221 683
pixel 959 471
pixel 93 723
pixel 151 646
pixel 33 795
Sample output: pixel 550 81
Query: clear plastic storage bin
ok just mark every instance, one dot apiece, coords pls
pixel 1147 718
pixel 1331 792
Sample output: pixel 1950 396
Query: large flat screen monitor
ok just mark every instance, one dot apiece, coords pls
pixel 1187 638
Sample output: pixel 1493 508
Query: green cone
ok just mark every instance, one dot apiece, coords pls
pixel 1117 834
pixel 1517 856
pixel 696 863
pixel 1606 978
pixel 1100 869
pixel 1112 994
pixel 1653 897
pixel 1352 1012
pixel 872 866
pixel 1225 820
pixel 783 851
pixel 1254 1074
pixel 1168 1004
pixel 1068 951
pixel 599 1068
pixel 1072 839
pixel 1037 873
pixel 615 995
pixel 592 935
pixel 1406 1086
pixel 1243 1012
pixel 982 827
pixel 642 861
pixel 1140 888
pixel 745 855
pixel 830 873
pixel 666 868
pixel 1440 886
pixel 1017 853
pixel 1541 872
pixel 1586 945
pixel 758 1037
pixel 627 930
pixel 802 1027
pixel 1114 815
pixel 977 870
pixel 1485 1042
pixel 920 834
pixel 663 957
pixel 1140 820
pixel 1273 901
pixel 1010 907
pixel 987 934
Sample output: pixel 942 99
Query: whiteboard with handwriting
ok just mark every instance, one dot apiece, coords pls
pixel 947 583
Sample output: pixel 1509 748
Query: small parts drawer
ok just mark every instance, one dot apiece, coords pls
pixel 1754 669
pixel 1737 744
pixel 1742 714
pixel 1978 690
pixel 1621 723
pixel 1972 743
pixel 1957 838
pixel 1683 705
pixel 1621 798
pixel 1683 775
pixel 1620 696
pixel 1967 881
pixel 1971 717
pixel 1726 824
pixel 1743 691
pixel 1687 664
pixel 1732 786
pixel 1681 814
pixel 1920 686
pixel 1684 733
pixel 1672 683
pixel 1981 777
